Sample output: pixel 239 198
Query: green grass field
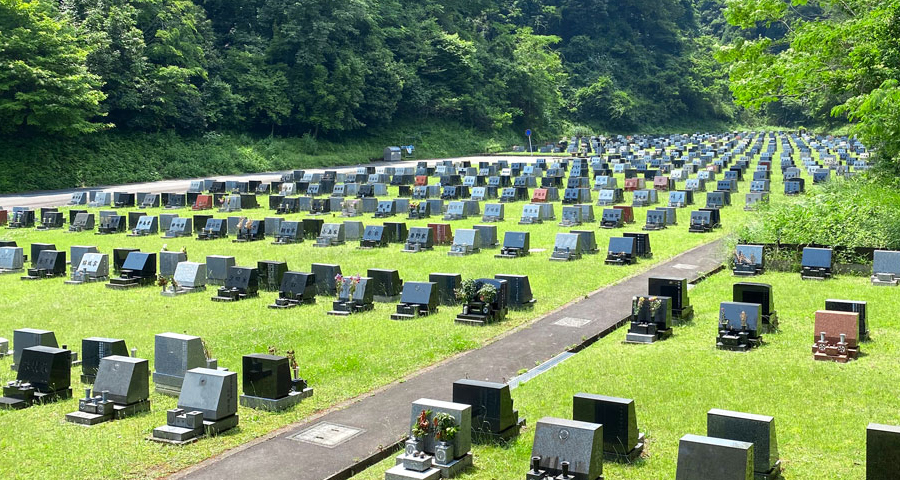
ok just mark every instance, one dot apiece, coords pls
pixel 340 357
pixel 821 409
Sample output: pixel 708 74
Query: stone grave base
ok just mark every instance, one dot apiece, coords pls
pixel 882 280
pixel 285 303
pixel 177 235
pixel 8 403
pixel 415 249
pixel 416 313
pixel 629 457
pixel 275 404
pixel 125 284
pixel 491 219
pixel 119 412
pixel 352 309
pixel 746 272
pixel 450 470
pixel 483 436
pixel 233 299
pixel 773 474
pixel 29 277
pixel 647 338
pixel 563 257
pixel 530 222
pixel 852 354
pixel 684 314
pixel 329 244
pixel 286 241
pixel 147 234
pixel 183 291
pixel 181 436
pixel 464 253
pixel 216 237
pixel 245 240
pixel 475 320
pixel 87 280
pixel 653 228
pixel 741 347
pixel 4 271
pixel 370 247
pixel 619 262
pixel 565 223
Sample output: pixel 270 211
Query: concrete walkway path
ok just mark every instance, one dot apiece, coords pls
pixel 369 426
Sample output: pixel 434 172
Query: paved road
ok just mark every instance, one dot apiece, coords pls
pixel 383 417
pixel 57 198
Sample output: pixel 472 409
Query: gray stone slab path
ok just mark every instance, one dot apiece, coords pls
pixel 381 419
pixel 57 198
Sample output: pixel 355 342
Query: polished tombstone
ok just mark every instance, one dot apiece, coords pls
pixel 446 285
pixel 268 384
pixel 11 260
pixel 374 236
pixel 270 274
pixel 428 457
pixel 651 319
pixel 419 238
pixel 748 260
pixel 242 283
pixel 746 427
pixel 36 249
pixel 138 270
pixel 297 288
pixel 353 230
pixel 495 212
pixel 111 224
pixel 44 375
pixel 119 256
pixel 289 232
pixel 168 262
pixel 354 295
pixel 189 277
pixel 93 350
pixel 214 229
pixel 816 263
pixel 855 307
pixel 385 285
pixel 761 293
pixel 836 336
pixel 531 214
pixel 82 222
pixel 217 268
pixel 51 220
pixel 708 458
pixel 30 337
pixel 493 415
pixel 886 268
pixel 701 221
pixel 149 200
pixel 567 447
pixel 207 404
pixel 739 326
pixel 588 240
pixel 418 299
pixel 621 439
pixel 455 211
pixel 50 264
pixel 326 278
pixel 249 230
pixel 478 312
pixel 676 289
pixel 882 451
pixel 656 220
pixel 465 242
pixel 515 245
pixel 611 218
pixel 231 203
pixel 567 247
pixel 174 354
pixel 571 216
pixel 123 384
pixel 331 234
pixel 621 251
pixel 21 219
pixel 641 244
pixel 146 225
pixel 519 293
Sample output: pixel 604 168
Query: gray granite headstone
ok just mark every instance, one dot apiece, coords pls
pixel 31 337
pixel 168 261
pixel 461 413
pixel 165 221
pixel 77 251
pixel 11 258
pixel 558 440
pixel 94 265
pixel 353 230
pixel 190 274
pixel 217 268
pixel 232 225
pixel 273 224
pixel 175 354
pixel 745 427
pixel 127 379
pixel 884 262
pixel 707 458
pixel 213 392
pixel 468 237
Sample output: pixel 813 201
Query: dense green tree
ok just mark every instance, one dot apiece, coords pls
pixel 44 83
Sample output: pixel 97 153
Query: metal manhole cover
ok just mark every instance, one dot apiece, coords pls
pixel 684 266
pixel 327 434
pixel 572 322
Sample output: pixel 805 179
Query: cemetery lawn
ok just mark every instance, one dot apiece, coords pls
pixel 821 409
pixel 341 357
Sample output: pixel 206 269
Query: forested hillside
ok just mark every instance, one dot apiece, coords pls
pixel 293 67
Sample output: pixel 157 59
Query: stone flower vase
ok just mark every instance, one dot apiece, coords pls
pixel 443 453
pixel 414 445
